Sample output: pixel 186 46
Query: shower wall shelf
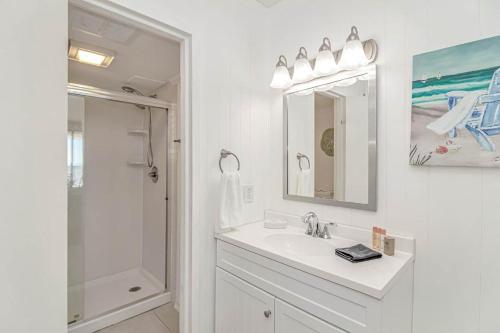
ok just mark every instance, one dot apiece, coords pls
pixel 136 163
pixel 137 132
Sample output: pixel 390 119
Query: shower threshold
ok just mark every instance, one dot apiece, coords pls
pixel 111 299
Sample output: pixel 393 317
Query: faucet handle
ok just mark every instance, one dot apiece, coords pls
pixel 323 232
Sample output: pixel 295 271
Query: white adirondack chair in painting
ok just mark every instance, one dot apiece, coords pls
pixel 477 111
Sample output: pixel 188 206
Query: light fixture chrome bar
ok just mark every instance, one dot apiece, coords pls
pixel 118 96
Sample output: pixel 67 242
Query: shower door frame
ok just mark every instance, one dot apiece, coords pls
pixel 117 96
pixel 120 97
pixel 131 309
pixel 184 38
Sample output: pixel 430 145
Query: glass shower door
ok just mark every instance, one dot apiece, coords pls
pixel 75 184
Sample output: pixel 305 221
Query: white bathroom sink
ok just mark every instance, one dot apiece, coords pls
pixel 303 245
pixel 316 256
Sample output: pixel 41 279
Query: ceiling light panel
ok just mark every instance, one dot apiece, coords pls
pixel 90 55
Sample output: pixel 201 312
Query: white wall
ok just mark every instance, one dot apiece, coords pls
pixel 33 230
pixel 112 191
pixel 452 212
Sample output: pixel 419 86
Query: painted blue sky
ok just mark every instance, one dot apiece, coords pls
pixel 462 58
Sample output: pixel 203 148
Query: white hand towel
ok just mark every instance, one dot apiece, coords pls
pixel 231 202
pixel 304 185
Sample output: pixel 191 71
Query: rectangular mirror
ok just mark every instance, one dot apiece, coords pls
pixel 330 141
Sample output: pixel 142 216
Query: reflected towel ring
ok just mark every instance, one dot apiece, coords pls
pixel 300 156
pixel 225 153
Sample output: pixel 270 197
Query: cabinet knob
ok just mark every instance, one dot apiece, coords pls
pixel 267 313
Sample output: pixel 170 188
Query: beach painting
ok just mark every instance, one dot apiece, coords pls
pixel 455 115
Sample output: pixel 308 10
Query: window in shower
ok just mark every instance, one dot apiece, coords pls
pixel 75 158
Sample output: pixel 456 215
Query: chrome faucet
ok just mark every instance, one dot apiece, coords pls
pixel 312 224
pixel 315 228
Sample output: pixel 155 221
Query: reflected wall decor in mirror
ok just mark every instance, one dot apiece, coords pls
pixel 330 140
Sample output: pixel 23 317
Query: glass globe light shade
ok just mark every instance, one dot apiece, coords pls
pixel 302 71
pixel 353 54
pixel 325 61
pixel 281 78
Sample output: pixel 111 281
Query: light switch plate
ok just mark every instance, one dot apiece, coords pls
pixel 248 193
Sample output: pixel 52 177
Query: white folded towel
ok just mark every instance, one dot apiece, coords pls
pixel 231 202
pixel 304 185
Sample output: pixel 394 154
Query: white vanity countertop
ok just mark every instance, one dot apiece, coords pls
pixel 374 277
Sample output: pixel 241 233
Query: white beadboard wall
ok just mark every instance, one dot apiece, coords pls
pixel 33 201
pixel 452 212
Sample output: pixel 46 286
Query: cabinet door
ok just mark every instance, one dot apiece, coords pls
pixel 289 319
pixel 241 307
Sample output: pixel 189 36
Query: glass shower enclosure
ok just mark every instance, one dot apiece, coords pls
pixel 117 210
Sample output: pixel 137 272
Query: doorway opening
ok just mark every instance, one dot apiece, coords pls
pixel 128 114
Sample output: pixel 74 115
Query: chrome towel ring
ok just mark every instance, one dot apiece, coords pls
pixel 300 156
pixel 225 153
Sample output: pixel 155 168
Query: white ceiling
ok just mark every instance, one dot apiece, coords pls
pixel 142 60
pixel 269 3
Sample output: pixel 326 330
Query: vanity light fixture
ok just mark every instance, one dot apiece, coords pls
pixel 353 57
pixel 353 54
pixel 90 55
pixel 325 61
pixel 281 77
pixel 302 70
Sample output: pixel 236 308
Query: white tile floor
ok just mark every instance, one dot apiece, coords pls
pixel 164 319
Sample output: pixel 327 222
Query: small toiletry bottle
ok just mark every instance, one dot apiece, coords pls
pixel 374 237
pixel 389 245
pixel 377 239
pixel 382 233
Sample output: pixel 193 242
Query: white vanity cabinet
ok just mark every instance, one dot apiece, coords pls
pixel 257 292
pixel 243 308
pixel 290 319
pixel 240 307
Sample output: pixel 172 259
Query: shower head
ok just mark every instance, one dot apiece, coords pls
pixel 153 173
pixel 131 90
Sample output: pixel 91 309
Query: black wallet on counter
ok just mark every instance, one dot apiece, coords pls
pixel 357 253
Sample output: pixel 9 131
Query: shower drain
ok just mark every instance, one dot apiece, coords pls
pixel 134 289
